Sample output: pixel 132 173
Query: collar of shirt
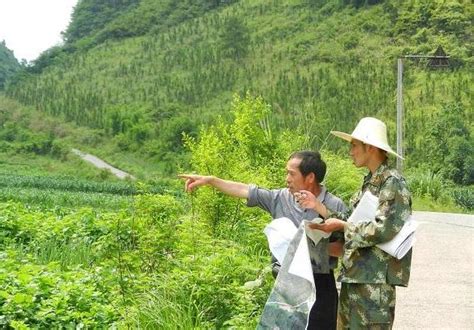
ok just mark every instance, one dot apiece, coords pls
pixel 322 195
pixel 375 178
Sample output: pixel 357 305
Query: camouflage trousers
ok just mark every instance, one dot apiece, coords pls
pixel 366 306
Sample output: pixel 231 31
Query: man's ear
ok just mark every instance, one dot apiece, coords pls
pixel 311 178
pixel 371 149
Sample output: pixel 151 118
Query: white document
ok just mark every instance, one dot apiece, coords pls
pixel 279 234
pixel 281 231
pixel 315 234
pixel 301 263
pixel 365 210
pixel 401 243
pixel 294 293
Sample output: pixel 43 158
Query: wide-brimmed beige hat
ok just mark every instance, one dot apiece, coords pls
pixel 370 131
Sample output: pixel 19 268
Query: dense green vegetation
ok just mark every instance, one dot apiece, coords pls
pixel 90 16
pixel 8 64
pixel 32 143
pixel 147 85
pixel 97 20
pixel 314 62
pixel 110 255
pixel 146 261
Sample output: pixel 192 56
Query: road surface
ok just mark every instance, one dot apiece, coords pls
pixel 440 294
pixel 99 163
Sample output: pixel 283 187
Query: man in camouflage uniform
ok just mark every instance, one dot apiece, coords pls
pixel 369 275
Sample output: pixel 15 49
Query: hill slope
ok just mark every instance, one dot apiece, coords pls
pixel 8 64
pixel 320 64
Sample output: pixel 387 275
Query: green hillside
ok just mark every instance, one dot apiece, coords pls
pixel 95 21
pixel 145 72
pixel 8 64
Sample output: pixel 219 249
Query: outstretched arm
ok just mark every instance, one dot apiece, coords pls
pixel 231 188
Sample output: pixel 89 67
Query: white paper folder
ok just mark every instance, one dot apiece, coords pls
pixel 402 242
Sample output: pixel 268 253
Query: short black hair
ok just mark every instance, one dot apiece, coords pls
pixel 311 162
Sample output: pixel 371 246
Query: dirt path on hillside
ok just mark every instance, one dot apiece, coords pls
pixel 99 163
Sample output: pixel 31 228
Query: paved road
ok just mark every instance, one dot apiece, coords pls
pixel 440 294
pixel 99 163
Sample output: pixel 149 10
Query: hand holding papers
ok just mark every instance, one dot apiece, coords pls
pixel 401 243
pixel 315 234
pixel 281 231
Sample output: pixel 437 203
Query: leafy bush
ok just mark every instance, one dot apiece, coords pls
pixel 450 144
pixel 155 220
pixel 426 183
pixel 49 297
pixel 245 150
pixel 206 286
pixel 343 179
pixel 464 197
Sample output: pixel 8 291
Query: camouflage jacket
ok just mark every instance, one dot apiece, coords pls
pixel 363 262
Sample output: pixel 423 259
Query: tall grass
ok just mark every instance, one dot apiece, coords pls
pixel 66 254
pixel 426 183
pixel 168 308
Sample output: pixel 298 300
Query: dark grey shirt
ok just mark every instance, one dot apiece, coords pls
pixel 281 203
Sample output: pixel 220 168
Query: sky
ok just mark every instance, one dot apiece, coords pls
pixel 30 27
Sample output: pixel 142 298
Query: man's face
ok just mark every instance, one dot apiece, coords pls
pixel 295 181
pixel 359 153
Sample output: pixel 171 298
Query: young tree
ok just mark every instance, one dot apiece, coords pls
pixel 235 37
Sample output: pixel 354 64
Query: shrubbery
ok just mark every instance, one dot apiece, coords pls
pixel 223 282
pixel 464 197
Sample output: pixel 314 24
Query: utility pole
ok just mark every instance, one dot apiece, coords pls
pixel 399 113
pixel 442 60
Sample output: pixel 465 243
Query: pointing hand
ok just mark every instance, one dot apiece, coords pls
pixel 194 180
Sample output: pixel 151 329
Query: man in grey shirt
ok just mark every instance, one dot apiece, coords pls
pixel 305 172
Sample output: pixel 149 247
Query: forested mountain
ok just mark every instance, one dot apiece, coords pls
pixel 100 20
pixel 146 71
pixel 96 21
pixel 91 16
pixel 8 64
